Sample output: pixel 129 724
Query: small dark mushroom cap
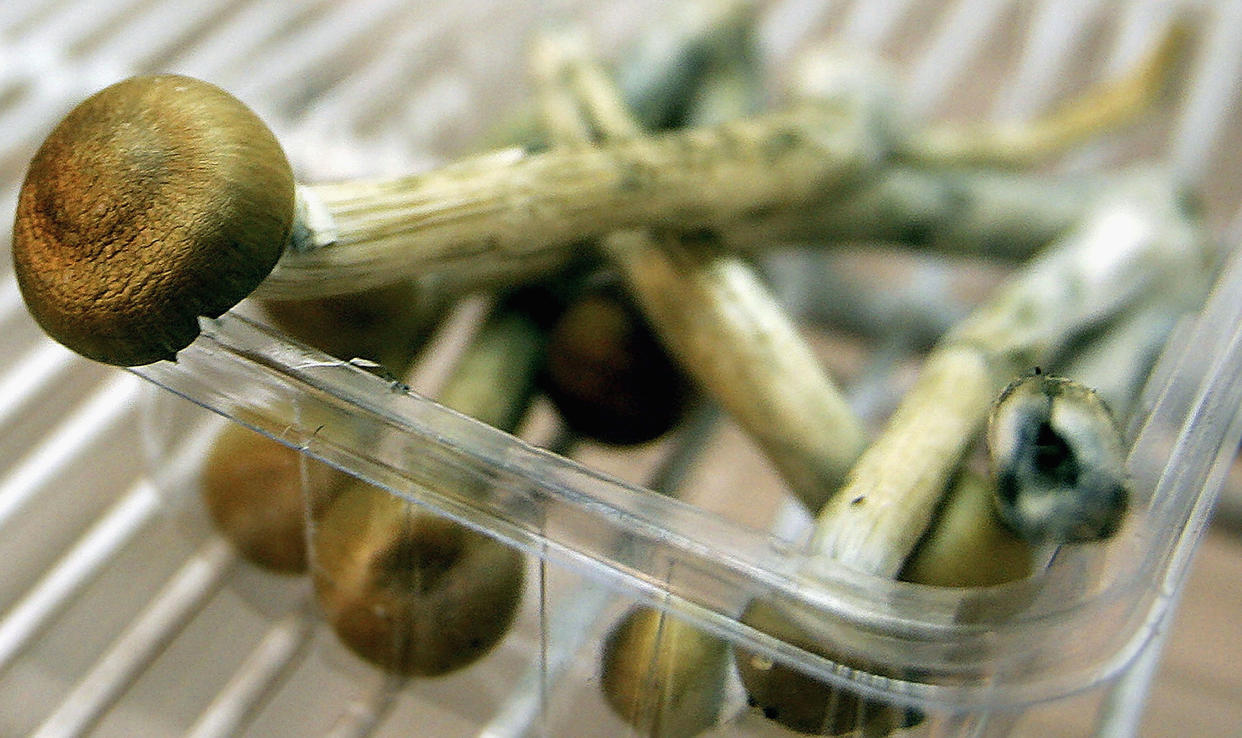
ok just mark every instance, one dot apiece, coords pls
pixel 156 200
pixel 607 373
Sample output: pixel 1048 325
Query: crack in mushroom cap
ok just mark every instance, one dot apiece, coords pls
pixel 155 201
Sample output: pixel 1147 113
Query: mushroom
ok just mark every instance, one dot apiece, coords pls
pixel 967 544
pixel 663 675
pixel 410 590
pixel 162 198
pixel 259 497
pixel 607 375
pixel 154 201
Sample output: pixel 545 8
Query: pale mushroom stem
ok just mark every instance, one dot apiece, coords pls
pixel 1129 247
pixel 711 309
pixel 992 213
pixel 507 215
pixel 1022 143
pixel 513 213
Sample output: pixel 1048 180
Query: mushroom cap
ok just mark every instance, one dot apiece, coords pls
pixel 662 675
pixel 257 495
pixel 802 702
pixel 155 201
pixel 607 373
pixel 409 591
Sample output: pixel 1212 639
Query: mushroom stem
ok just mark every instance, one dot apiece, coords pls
pixel 509 214
pixel 512 213
pixel 1105 105
pixel 712 311
pixel 494 380
pixel 966 546
pixel 1130 246
pixel 986 212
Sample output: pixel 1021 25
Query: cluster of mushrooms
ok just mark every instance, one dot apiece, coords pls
pixel 619 243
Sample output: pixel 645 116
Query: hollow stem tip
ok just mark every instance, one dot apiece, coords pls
pixel 155 201
pixel 1058 460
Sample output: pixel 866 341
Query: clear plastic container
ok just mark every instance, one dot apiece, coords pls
pixel 208 645
pixel 600 547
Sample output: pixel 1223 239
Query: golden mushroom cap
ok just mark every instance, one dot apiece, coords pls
pixel 155 201
pixel 664 676
pixel 409 591
pixel 259 492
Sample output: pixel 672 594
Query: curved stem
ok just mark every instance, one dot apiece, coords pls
pixel 713 312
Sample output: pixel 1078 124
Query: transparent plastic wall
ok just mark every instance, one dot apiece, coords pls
pixel 600 552
pixel 123 612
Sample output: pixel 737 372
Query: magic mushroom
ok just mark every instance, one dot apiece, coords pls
pixel 407 589
pixel 607 375
pixel 162 198
pixel 154 201
pixel 259 492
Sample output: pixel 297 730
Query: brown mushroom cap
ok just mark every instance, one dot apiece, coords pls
pixel 156 200
pixel 257 496
pixel 664 676
pixel 607 373
pixel 409 591
pixel 802 702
